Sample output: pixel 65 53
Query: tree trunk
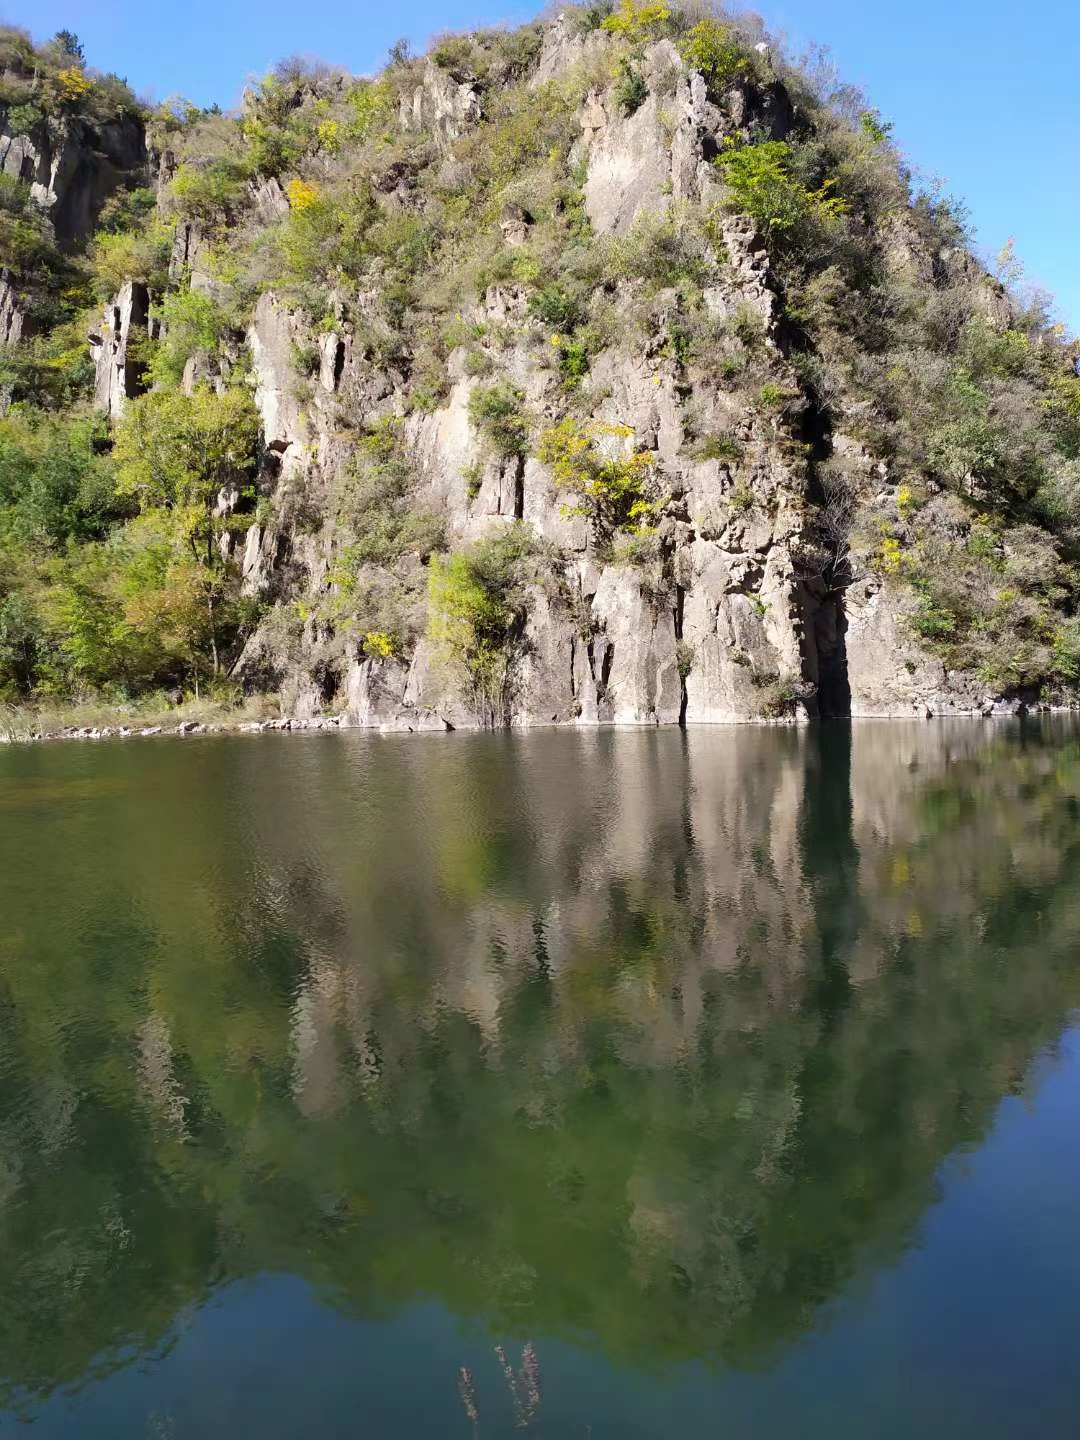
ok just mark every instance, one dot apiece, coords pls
pixel 213 637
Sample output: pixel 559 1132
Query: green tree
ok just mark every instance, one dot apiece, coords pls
pixel 193 457
pixel 763 184
pixel 56 480
pixel 70 46
pixel 193 324
pixel 712 50
pixel 477 609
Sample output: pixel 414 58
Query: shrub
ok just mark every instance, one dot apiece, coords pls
pixel 713 50
pixel 477 619
pixel 762 183
pixel 615 487
pixel 876 130
pixel 302 196
pixel 382 645
pixel 556 306
pixel 131 254
pixel 27 245
pixel 473 475
pixel 774 396
pixel 631 92
pixel 193 324
pixel 777 696
pixel 749 327
pixel 667 252
pixel 53 370
pixel 573 360
pixel 56 482
pixel 377 516
pixel 741 499
pixel 21 119
pixel 72 86
pixel 514 52
pixel 127 210
pixel 329 136
pixel 592 17
pixel 14 194
pixel 719 446
pixel 461 57
pixel 498 413
pixel 477 362
pixel 328 238
pixel 209 192
pixel 638 20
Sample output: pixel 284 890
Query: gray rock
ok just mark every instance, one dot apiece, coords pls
pixel 13 320
pixel 73 167
pixel 441 105
pixel 119 364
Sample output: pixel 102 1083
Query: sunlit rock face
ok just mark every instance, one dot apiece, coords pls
pixel 629 320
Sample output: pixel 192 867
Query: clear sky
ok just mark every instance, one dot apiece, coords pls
pixel 983 93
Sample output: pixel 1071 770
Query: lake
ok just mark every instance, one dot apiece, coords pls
pixel 643 1084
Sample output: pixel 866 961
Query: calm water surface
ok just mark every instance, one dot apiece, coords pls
pixel 638 1085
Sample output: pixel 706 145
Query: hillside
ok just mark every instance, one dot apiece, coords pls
pixel 609 369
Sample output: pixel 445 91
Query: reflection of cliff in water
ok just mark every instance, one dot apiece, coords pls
pixel 649 1037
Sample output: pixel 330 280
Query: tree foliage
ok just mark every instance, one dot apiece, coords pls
pixel 477 600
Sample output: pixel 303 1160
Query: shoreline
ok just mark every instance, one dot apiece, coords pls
pixel 172 728
pixel 168 728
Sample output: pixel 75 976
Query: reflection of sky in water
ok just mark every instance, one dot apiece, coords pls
pixel 328 1063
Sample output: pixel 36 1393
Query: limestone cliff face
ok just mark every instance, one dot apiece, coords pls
pixel 70 167
pixel 741 616
pixel 725 621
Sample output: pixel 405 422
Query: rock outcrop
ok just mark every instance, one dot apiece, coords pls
pixel 441 105
pixel 737 628
pixel 72 167
pixel 120 348
pixel 12 314
pixel 739 631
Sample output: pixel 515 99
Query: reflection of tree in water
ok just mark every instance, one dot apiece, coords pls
pixel 648 1038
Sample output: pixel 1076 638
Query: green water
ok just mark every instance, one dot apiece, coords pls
pixel 725 1080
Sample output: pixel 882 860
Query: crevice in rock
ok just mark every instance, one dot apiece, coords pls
pixel 605 666
pixel 827 588
pixel 329 683
pixel 830 638
pixel 519 488
pixel 339 362
pixel 677 617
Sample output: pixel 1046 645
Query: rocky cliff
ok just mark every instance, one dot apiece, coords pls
pixel 603 373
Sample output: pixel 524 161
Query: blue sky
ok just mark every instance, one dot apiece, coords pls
pixel 984 95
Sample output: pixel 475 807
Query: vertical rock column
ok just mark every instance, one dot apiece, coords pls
pixel 118 357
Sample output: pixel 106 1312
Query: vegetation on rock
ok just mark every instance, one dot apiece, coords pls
pixel 810 324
